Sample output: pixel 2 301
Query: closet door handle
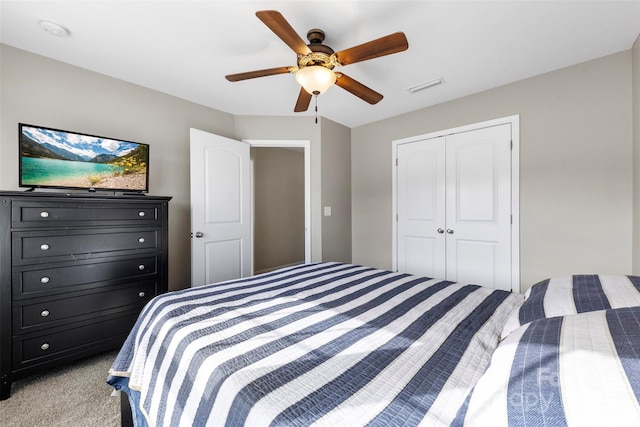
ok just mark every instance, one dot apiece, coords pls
pixel 449 231
pixel 440 230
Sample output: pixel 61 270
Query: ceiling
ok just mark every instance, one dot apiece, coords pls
pixel 185 48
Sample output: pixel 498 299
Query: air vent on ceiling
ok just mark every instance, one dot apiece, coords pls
pixel 425 85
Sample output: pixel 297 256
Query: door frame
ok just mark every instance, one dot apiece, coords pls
pixel 514 120
pixel 306 146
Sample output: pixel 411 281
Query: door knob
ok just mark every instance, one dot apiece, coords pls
pixel 199 234
pixel 440 230
pixel 450 231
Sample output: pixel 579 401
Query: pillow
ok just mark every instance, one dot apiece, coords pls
pixel 575 294
pixel 577 370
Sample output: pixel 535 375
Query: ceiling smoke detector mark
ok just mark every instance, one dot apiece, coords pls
pixel 425 85
pixel 54 29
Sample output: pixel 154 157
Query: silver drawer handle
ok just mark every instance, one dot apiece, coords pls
pixel 44 279
pixel 141 267
pixel 44 313
pixel 141 213
pixel 44 346
pixel 450 231
pixel 44 214
pixel 141 294
pixel 44 246
pixel 141 240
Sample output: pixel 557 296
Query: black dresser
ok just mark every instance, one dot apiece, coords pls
pixel 75 271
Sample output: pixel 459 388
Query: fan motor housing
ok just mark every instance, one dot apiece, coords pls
pixel 320 53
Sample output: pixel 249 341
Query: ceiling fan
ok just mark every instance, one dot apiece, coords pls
pixel 316 61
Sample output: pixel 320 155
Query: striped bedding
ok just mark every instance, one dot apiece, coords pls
pixel 327 344
pixel 574 370
pixel 561 296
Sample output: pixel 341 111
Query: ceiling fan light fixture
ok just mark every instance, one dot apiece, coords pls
pixel 315 61
pixel 315 79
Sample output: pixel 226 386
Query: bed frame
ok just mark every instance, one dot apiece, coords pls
pixel 126 417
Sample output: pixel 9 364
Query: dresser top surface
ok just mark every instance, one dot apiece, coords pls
pixel 81 196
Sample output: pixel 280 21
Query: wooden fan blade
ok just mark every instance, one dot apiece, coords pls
pixel 257 73
pixel 276 23
pixel 304 99
pixel 393 43
pixel 358 89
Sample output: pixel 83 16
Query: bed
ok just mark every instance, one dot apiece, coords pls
pixel 334 344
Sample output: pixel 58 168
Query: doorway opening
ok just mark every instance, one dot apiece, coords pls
pixel 281 203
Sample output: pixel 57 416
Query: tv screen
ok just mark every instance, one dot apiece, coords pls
pixel 61 159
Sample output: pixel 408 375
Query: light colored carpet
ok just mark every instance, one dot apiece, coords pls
pixel 71 395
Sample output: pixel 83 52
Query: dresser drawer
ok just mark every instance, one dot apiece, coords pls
pixel 38 348
pixel 54 278
pixel 31 247
pixel 73 213
pixel 52 312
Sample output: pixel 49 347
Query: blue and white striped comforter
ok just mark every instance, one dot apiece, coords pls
pixel 331 344
pixel 561 296
pixel 575 370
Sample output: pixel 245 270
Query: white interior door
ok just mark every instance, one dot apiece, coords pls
pixel 478 225
pixel 220 208
pixel 421 208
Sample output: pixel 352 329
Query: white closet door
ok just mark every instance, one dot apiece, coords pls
pixel 478 181
pixel 421 208
pixel 453 201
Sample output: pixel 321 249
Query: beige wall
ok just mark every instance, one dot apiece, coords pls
pixel 41 91
pixel 293 128
pixel 330 175
pixel 37 90
pixel 575 168
pixel 577 142
pixel 279 207
pixel 635 55
pixel 336 191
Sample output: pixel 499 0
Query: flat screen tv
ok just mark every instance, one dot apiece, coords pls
pixel 54 158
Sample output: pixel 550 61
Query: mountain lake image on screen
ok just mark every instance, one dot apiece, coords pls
pixel 61 159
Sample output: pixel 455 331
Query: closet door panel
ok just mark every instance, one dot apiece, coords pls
pixel 479 206
pixel 421 207
pixel 475 183
pixel 474 262
pixel 421 256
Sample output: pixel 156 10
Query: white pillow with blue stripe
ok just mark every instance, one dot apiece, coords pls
pixel 575 294
pixel 576 370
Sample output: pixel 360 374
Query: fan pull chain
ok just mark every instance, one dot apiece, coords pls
pixel 316 96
